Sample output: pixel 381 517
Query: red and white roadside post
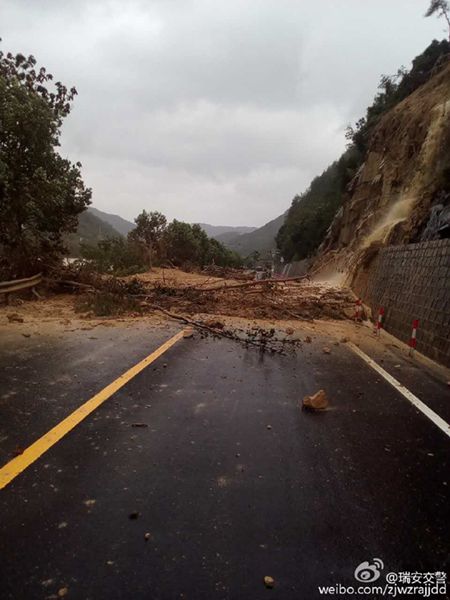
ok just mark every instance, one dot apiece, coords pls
pixel 413 339
pixel 379 325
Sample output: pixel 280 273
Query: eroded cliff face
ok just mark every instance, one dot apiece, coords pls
pixel 406 171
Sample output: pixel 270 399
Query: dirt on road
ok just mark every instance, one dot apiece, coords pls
pixel 229 303
pixel 265 299
pixel 273 316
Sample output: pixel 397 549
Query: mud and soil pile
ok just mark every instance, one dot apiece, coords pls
pixel 173 293
pixel 265 299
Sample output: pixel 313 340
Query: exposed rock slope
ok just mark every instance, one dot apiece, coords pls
pixel 406 172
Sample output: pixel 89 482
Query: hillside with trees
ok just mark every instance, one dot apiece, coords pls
pixel 311 213
pixel 220 232
pixel 261 240
pixel 118 223
pixel 153 242
pixel 91 229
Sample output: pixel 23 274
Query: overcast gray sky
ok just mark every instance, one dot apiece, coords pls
pixel 217 111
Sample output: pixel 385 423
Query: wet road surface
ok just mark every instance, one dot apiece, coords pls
pixel 228 482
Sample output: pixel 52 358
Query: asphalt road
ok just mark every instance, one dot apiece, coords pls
pixel 230 480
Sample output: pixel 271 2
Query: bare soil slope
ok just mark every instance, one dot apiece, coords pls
pixel 407 166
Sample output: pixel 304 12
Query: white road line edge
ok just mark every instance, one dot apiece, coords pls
pixel 435 418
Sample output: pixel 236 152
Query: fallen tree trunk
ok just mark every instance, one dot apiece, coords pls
pixel 249 284
pixel 73 284
pixel 213 331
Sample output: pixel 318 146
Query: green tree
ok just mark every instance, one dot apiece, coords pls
pixel 182 245
pixel 189 245
pixel 441 8
pixel 203 243
pixel 148 233
pixel 311 214
pixel 114 255
pixel 219 255
pixel 252 259
pixel 41 193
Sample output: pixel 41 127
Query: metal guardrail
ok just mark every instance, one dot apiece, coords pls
pixel 7 287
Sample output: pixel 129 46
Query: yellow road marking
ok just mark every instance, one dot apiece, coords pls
pixel 37 449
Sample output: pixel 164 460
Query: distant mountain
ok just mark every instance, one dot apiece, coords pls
pixel 95 225
pixel 91 229
pixel 260 240
pixel 215 230
pixel 124 227
pixel 229 237
pixel 118 223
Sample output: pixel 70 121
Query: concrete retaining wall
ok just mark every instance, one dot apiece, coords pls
pixel 412 282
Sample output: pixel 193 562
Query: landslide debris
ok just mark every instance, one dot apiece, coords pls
pixel 211 306
pixel 185 293
pixel 270 299
pixel 318 401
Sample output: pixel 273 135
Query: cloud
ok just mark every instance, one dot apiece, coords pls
pixel 205 138
pixel 209 110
